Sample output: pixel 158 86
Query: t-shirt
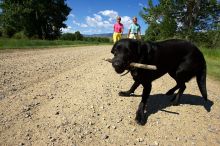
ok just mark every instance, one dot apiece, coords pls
pixel 134 28
pixel 118 27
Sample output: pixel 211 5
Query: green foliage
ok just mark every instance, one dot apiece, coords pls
pixel 68 36
pixel 41 18
pixel 183 18
pixel 77 36
pixel 210 39
pixel 212 57
pixel 19 35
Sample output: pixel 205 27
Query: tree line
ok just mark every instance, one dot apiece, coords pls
pixel 41 19
pixel 77 36
pixel 196 20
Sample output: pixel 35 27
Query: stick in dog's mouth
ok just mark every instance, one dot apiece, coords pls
pixel 137 65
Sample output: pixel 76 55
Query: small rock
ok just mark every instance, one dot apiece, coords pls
pixel 119 120
pixel 113 127
pixel 105 137
pixel 57 113
pixel 156 143
pixel 134 129
pixel 26 108
pixel 91 123
pixel 21 144
pixel 140 139
pixel 27 115
pixel 2 96
pixel 53 139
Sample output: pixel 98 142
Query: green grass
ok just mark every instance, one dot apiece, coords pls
pixel 6 43
pixel 212 57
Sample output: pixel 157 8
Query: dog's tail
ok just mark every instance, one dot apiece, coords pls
pixel 201 81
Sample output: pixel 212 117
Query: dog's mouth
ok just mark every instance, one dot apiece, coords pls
pixel 120 68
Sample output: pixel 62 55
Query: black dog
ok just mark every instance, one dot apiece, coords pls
pixel 180 58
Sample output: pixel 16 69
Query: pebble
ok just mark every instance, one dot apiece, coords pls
pixel 22 144
pixel 114 127
pixel 119 120
pixel 134 129
pixel 91 123
pixel 27 115
pixel 140 139
pixel 105 136
pixel 2 96
pixel 26 108
pixel 156 143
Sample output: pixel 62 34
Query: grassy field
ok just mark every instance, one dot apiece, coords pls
pixel 212 57
pixel 24 44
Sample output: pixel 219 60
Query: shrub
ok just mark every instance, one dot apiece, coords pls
pixel 19 35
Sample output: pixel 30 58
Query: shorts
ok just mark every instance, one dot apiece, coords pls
pixel 116 36
pixel 134 36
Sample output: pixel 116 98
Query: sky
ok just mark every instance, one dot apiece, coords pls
pixel 99 16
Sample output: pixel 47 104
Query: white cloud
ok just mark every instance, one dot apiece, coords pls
pixel 72 15
pixel 97 21
pixel 84 25
pixel 126 21
pixel 141 5
pixel 109 13
pixel 98 17
pixel 100 22
pixel 76 23
pixel 65 30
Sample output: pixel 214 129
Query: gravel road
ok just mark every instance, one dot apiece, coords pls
pixel 69 96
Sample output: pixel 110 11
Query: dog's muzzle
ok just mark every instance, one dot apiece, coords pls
pixel 119 66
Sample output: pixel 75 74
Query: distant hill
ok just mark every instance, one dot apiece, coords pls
pixel 99 35
pixel 102 35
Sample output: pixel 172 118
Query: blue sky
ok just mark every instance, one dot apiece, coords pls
pixel 98 16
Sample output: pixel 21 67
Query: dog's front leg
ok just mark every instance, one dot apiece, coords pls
pixel 131 91
pixel 141 114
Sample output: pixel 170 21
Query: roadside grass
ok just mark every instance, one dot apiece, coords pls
pixel 6 43
pixel 212 57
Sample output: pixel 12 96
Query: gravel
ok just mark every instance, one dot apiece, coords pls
pixel 69 96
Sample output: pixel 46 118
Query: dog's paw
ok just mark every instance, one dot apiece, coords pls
pixel 140 118
pixel 125 93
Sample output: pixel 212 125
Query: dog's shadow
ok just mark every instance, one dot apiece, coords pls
pixel 159 102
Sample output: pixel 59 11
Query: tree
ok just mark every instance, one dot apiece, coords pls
pixel 182 16
pixel 78 36
pixel 41 18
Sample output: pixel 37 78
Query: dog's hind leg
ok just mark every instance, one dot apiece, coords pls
pixel 182 87
pixel 172 90
pixel 182 76
pixel 201 81
pixel 131 91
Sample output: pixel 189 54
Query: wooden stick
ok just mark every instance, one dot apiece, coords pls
pixel 137 65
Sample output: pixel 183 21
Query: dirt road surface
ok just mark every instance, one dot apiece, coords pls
pixel 69 96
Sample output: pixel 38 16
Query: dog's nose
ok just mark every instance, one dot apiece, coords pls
pixel 116 64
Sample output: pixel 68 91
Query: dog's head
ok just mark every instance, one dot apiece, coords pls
pixel 125 51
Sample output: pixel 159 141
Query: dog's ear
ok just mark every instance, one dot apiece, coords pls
pixel 145 51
